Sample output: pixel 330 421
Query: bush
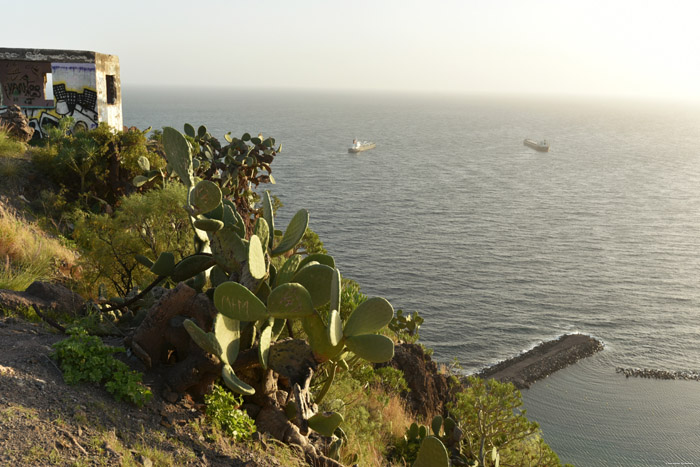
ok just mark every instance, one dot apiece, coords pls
pixel 223 411
pixel 96 166
pixel 489 414
pixel 84 358
pixel 145 224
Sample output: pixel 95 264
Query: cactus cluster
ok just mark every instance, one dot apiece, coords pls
pixel 434 449
pixel 258 281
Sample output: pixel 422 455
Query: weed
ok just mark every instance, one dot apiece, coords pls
pixel 85 358
pixel 223 411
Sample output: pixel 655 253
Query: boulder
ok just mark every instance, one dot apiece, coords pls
pixel 17 123
pixel 430 389
pixel 60 298
pixel 46 296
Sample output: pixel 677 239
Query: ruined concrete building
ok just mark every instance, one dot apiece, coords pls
pixel 51 84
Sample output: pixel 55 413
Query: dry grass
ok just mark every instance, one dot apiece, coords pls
pixel 8 146
pixel 28 254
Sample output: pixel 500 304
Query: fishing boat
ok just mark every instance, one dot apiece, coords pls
pixel 538 145
pixel 359 146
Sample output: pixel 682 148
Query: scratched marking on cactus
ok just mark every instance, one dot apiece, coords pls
pixel 240 306
pixel 290 301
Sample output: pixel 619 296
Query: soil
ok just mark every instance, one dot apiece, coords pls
pixel 543 360
pixel 44 421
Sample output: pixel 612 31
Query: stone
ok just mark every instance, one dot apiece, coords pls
pixel 60 298
pixel 429 389
pixel 17 124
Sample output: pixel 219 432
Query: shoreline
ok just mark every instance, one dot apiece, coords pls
pixel 542 360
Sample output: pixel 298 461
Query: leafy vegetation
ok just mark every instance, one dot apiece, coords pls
pixel 144 224
pixel 84 358
pixel 490 415
pixel 223 411
pixel 95 167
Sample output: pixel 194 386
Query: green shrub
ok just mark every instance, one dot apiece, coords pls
pixel 84 358
pixel 96 166
pixel 223 411
pixel 145 224
pixel 489 414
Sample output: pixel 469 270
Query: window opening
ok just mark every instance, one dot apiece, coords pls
pixel 111 89
pixel 48 86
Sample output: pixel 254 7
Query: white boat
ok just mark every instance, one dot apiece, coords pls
pixel 359 146
pixel 538 145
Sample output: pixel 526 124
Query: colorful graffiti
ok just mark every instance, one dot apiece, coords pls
pixel 74 93
pixel 22 83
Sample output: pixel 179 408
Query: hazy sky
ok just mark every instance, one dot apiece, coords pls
pixel 621 48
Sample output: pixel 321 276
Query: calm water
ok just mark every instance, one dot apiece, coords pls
pixel 500 247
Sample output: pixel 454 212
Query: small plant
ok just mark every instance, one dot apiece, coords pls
pixel 223 411
pixel 9 147
pixel 84 358
pixel 406 326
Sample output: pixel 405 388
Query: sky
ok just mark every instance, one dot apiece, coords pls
pixel 622 48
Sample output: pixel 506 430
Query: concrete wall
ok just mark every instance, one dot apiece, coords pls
pixel 108 65
pixel 80 87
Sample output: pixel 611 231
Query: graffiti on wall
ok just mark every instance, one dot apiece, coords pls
pixel 22 83
pixel 74 94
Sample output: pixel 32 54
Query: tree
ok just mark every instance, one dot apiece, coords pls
pixel 490 416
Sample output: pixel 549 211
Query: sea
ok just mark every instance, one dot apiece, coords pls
pixel 500 247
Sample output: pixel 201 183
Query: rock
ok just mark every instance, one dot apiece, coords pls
pixel 60 298
pixel 12 300
pixel 17 123
pixel 164 345
pixel 430 390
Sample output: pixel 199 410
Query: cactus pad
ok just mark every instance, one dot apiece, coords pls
pixel 317 280
pixel 336 291
pixel 374 348
pixel 317 332
pixel 325 423
pixel 289 301
pixel 228 248
pixel 262 230
pixel 208 225
pixel 288 269
pixel 269 215
pixel 264 346
pixel 256 258
pixel 191 266
pixel 145 260
pixel 294 233
pixel 178 154
pixel 164 265
pixel 335 328
pixel 234 383
pixel 237 302
pixel 432 453
pixel 206 340
pixel 319 258
pixel 370 316
pixel 205 196
pixel 228 335
pixel 436 425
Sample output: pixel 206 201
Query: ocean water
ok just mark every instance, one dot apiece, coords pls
pixel 500 247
